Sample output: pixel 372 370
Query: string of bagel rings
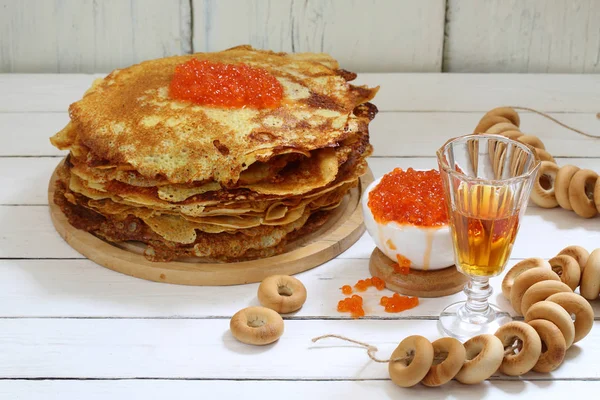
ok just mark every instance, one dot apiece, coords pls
pixel 543 292
pixel 568 186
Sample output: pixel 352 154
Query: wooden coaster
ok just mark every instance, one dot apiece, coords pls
pixel 438 283
pixel 342 229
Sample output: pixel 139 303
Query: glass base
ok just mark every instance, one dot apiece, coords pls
pixel 455 321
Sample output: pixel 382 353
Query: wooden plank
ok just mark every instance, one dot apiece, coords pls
pixel 399 92
pixel 392 133
pixel 482 92
pixel 90 36
pixel 28 134
pixel 42 92
pixel 294 390
pixel 523 36
pixel 80 288
pixel 422 133
pixel 338 27
pixel 26 232
pixel 28 177
pixel 205 348
pixel 21 224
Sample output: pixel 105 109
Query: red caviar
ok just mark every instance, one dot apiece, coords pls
pixel 398 303
pixel 347 289
pixel 409 197
pixel 403 266
pixel 378 283
pixel 227 85
pixel 364 284
pixel 353 305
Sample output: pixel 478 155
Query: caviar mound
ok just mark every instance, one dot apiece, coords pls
pixel 228 85
pixel 409 197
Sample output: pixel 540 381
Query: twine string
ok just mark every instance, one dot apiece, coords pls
pixel 543 114
pixel 371 350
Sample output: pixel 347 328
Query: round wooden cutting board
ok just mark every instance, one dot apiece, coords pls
pixel 438 283
pixel 341 230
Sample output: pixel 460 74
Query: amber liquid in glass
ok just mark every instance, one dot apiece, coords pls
pixel 485 226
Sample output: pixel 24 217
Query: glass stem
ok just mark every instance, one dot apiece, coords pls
pixel 478 290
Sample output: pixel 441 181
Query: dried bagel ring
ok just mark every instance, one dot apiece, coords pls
pixel 561 185
pixel 518 269
pixel 484 356
pixel 578 306
pixel 519 336
pixel 416 353
pixel 532 140
pixel 282 293
pixel 554 347
pixel 554 313
pixel 544 189
pixel 512 135
pixel 545 156
pixel 487 121
pixel 501 127
pixel 581 193
pixel 525 281
pixel 597 195
pixel 256 325
pixel 567 268
pixel 590 281
pixel 578 253
pixel 541 291
pixel 543 192
pixel 449 357
pixel 506 112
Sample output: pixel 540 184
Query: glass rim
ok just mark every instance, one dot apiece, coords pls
pixel 494 182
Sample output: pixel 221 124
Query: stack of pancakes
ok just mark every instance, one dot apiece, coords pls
pixel 203 181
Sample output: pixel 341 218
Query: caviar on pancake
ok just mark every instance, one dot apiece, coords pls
pixel 225 85
pixel 409 197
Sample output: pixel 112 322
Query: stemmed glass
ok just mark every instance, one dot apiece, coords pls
pixel 487 181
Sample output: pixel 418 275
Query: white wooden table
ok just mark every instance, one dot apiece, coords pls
pixel 70 329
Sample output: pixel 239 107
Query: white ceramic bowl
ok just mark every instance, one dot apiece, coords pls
pixel 426 248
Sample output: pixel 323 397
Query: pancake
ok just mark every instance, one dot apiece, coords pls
pixel 129 119
pixel 226 184
pixel 257 242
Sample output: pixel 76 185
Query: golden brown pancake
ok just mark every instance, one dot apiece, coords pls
pixel 129 118
pixel 218 183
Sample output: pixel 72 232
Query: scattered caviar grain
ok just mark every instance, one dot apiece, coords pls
pixel 347 289
pixel 353 305
pixel 403 266
pixel 378 283
pixel 409 197
pixel 398 303
pixel 361 285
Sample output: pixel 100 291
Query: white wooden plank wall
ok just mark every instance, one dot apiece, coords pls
pixel 365 35
pixel 522 36
pixel 90 35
